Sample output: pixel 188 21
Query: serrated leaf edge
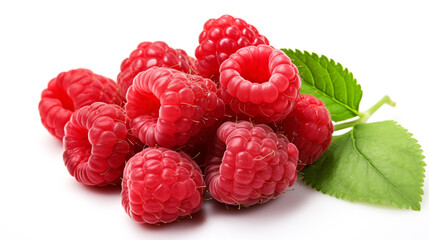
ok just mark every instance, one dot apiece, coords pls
pixel 421 176
pixel 408 134
pixel 315 57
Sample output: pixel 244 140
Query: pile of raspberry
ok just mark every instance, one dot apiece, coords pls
pixel 173 129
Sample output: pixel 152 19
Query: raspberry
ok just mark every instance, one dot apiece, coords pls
pixel 249 164
pixel 170 108
pixel 220 38
pixel 161 185
pixel 147 55
pixel 96 144
pixel 70 91
pixel 309 127
pixel 259 83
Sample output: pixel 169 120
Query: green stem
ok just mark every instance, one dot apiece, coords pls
pixel 346 124
pixel 364 116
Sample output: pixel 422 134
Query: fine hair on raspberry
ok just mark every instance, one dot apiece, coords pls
pixel 309 127
pixel 249 164
pixel 97 143
pixel 169 108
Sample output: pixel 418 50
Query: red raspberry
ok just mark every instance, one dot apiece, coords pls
pixel 309 127
pixel 161 185
pixel 259 83
pixel 249 164
pixel 150 54
pixel 70 91
pixel 168 107
pixel 220 38
pixel 96 144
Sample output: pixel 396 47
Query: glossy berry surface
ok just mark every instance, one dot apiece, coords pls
pixel 260 83
pixel 151 54
pixel 220 38
pixel 167 107
pixel 97 144
pixel 309 127
pixel 161 185
pixel 70 91
pixel 249 164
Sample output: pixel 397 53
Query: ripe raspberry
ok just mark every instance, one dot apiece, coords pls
pixel 161 185
pixel 96 144
pixel 249 164
pixel 150 54
pixel 220 38
pixel 259 83
pixel 70 91
pixel 170 108
pixel 309 127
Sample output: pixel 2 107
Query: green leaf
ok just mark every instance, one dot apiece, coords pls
pixel 374 162
pixel 328 81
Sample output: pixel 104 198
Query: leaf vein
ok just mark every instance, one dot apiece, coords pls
pixel 323 92
pixel 376 170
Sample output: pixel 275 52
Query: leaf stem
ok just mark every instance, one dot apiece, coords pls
pixel 364 116
pixel 346 124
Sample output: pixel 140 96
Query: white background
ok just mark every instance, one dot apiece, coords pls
pixel 384 43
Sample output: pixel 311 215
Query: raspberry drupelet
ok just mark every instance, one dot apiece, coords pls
pixel 151 54
pixel 259 83
pixel 97 143
pixel 220 38
pixel 309 127
pixel 70 91
pixel 169 108
pixel 249 164
pixel 161 185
